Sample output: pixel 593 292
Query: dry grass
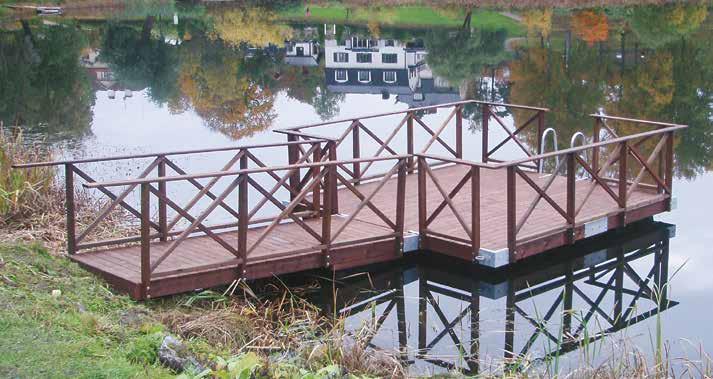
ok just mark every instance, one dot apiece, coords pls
pixel 32 200
pixel 280 322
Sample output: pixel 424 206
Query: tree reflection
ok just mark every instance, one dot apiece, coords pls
pixel 42 85
pixel 460 55
pixel 673 82
pixel 140 60
pixel 213 82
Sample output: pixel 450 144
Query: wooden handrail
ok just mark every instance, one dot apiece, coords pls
pixel 410 110
pixel 577 149
pixel 237 172
pixel 636 120
pixel 170 153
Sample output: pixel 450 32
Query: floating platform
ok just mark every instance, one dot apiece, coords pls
pixel 327 213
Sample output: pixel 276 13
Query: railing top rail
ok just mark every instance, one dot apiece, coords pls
pixel 636 120
pixel 410 110
pixel 219 174
pixel 169 153
pixel 516 162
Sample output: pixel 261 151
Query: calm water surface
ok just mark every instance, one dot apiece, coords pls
pixel 172 76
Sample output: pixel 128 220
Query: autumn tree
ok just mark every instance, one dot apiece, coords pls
pixel 590 26
pixel 661 24
pixel 538 23
pixel 253 26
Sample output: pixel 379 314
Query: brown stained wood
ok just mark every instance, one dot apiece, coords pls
pixel 200 261
pixel 432 133
pixel 70 208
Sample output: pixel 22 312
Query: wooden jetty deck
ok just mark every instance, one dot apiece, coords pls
pixel 326 212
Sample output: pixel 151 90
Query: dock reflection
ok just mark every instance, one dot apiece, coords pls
pixel 440 314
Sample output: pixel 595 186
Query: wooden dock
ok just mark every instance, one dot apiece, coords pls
pixel 327 212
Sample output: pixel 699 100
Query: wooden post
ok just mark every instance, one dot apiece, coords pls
pixel 335 194
pixel 459 131
pixel 70 208
pixel 571 191
pixel 356 148
pixel 409 142
pixel 475 211
pixel 540 132
pixel 316 157
pixel 145 241
pixel 422 198
pixel 511 214
pixel 329 188
pixel 243 215
pixel 669 166
pixel 162 211
pixel 623 154
pixel 486 119
pixel 400 205
pixel 595 139
pixel 293 155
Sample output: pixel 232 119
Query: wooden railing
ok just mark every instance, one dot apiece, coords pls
pixel 536 120
pixel 623 151
pixel 354 130
pixel 321 185
pixel 158 166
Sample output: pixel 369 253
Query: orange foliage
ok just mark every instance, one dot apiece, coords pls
pixel 590 26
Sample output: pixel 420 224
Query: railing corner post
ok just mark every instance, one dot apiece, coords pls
pixel 422 204
pixel 475 211
pixel 669 166
pixel 623 181
pixel 409 142
pixel 571 192
pixel 70 208
pixel 595 139
pixel 145 240
pixel 293 156
pixel 329 188
pixel 486 119
pixel 511 214
pixel 333 184
pixel 356 152
pixel 243 219
pixel 400 205
pixel 162 210
pixel 459 132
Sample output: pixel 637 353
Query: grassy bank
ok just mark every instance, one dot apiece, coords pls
pixel 404 16
pixel 57 320
pixel 78 333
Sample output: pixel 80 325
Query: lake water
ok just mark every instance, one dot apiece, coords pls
pixel 162 77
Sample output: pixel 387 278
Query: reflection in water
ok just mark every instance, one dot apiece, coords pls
pixel 230 65
pixel 440 315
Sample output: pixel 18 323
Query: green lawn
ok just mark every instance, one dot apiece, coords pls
pixel 76 334
pixel 401 16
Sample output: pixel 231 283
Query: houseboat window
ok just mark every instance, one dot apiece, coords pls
pixel 340 75
pixel 341 57
pixel 389 58
pixel 389 43
pixel 363 57
pixel 389 76
pixel 360 43
pixel 364 76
